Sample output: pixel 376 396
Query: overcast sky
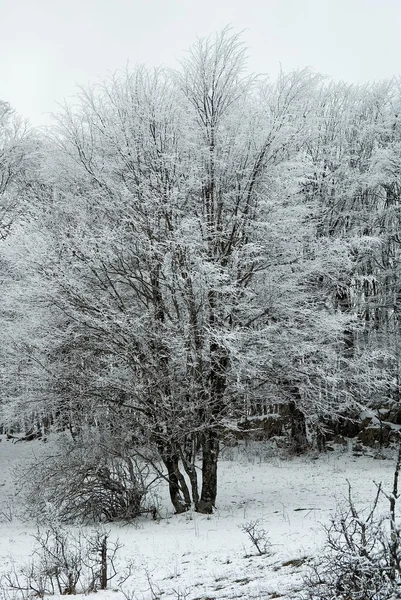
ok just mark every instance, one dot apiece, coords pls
pixel 48 46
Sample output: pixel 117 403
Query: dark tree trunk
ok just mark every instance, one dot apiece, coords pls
pixel 103 563
pixel 179 493
pixel 210 441
pixel 210 453
pixel 298 428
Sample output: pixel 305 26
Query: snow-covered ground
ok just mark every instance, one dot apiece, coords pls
pixel 195 556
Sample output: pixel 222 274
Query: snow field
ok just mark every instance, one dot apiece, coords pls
pixel 193 556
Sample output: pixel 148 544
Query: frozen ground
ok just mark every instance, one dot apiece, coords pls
pixel 194 556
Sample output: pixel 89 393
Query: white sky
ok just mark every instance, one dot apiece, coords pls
pixel 48 46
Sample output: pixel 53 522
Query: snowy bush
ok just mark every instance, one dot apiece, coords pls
pixel 64 562
pixel 257 535
pixel 91 478
pixel 363 559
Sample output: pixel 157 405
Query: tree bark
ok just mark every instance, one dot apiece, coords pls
pixel 210 453
pixel 343 303
pixel 188 455
pixel 179 493
pixel 298 428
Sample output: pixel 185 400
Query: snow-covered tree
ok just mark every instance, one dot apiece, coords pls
pixel 206 245
pixel 167 218
pixel 18 164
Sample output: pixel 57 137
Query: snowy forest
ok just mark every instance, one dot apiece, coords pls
pixel 191 259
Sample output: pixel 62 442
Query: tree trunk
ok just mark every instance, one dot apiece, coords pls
pixel 298 428
pixel 103 563
pixel 343 303
pixel 210 453
pixel 179 493
pixel 188 455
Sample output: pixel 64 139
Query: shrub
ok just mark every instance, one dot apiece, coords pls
pixel 64 562
pixel 257 535
pixel 90 478
pixel 363 560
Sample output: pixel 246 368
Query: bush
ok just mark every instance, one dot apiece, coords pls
pixel 64 562
pixel 90 478
pixel 363 560
pixel 257 535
